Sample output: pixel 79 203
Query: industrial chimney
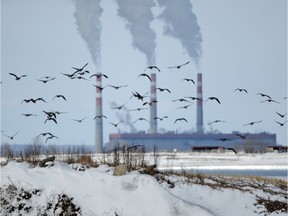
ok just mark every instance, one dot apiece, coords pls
pixel 99 121
pixel 199 108
pixel 153 105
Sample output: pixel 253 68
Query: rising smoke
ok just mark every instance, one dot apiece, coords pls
pixel 181 23
pixel 139 16
pixel 87 14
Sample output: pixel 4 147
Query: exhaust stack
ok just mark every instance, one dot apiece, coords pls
pixel 199 107
pixel 99 121
pixel 153 105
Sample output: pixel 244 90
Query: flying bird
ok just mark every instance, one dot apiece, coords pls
pixel 161 119
pixel 17 77
pixel 179 66
pixel 216 121
pixel 51 137
pixel 28 114
pixel 119 107
pixel 150 103
pixel 33 100
pixel 264 95
pixel 184 107
pixel 115 125
pixel 242 135
pixel 269 100
pixel 140 119
pixel 117 87
pixel 180 100
pixel 224 139
pixel 59 96
pixel 180 119
pixel 45 133
pixel 188 80
pixel 46 80
pixel 145 75
pixel 281 115
pixel 194 98
pixel 280 123
pixel 138 109
pixel 100 116
pixel 232 149
pixel 252 123
pixel 99 75
pixel 163 89
pixel 80 69
pixel 213 98
pixel 138 96
pixel 12 137
pixel 240 90
pixel 100 88
pixel 152 67
pixel 79 120
pixel 49 118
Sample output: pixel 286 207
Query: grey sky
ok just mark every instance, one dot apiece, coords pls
pixel 244 46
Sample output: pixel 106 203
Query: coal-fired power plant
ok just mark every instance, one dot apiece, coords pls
pixel 186 141
pixel 98 120
pixel 153 106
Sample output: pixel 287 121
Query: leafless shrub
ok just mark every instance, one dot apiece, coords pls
pixel 32 151
pixel 6 151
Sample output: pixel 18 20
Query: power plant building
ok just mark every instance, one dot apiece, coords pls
pixel 172 141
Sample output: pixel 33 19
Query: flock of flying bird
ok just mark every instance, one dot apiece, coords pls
pixel 79 73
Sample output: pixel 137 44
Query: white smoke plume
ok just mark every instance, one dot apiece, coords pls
pixel 139 15
pixel 181 23
pixel 87 14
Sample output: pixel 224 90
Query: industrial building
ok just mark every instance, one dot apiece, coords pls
pixel 173 141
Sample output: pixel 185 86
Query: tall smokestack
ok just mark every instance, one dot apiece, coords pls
pixel 99 121
pixel 199 108
pixel 153 107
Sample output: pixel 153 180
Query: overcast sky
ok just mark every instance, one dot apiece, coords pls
pixel 243 45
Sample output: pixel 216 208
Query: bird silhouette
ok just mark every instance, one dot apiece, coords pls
pixel 46 80
pixel 161 118
pixel 252 123
pixel 180 100
pixel 99 75
pixel 59 96
pixel 213 98
pixel 100 116
pixel 180 119
pixel 232 149
pixel 119 107
pixel 269 100
pixel 12 137
pixel 28 114
pixel 49 118
pixel 240 90
pixel 138 109
pixel 152 67
pixel 45 133
pixel 100 88
pixel 264 95
pixel 179 66
pixel 281 123
pixel 184 107
pixel 138 95
pixel 115 125
pixel 79 120
pixel 194 98
pixel 281 115
pixel 215 121
pixel 150 103
pixel 17 77
pixel 33 100
pixel 140 119
pixel 117 87
pixel 145 75
pixel 224 139
pixel 79 77
pixel 80 69
pixel 188 80
pixel 242 135
pixel 163 89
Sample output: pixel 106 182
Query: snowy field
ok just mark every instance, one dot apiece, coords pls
pixel 79 190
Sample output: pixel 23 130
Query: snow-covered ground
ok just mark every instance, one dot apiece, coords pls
pixel 61 188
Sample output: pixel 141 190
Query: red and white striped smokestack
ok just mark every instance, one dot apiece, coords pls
pixel 153 107
pixel 99 121
pixel 199 107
